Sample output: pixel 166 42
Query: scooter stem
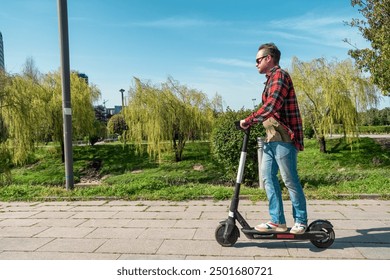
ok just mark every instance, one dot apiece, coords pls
pixel 240 173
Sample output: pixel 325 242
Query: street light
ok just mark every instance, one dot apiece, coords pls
pixel 66 98
pixel 254 104
pixel 122 91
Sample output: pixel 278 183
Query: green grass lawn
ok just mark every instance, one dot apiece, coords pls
pixel 348 169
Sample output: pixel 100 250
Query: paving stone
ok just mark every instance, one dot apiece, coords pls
pixel 197 224
pixel 377 252
pixel 75 245
pixel 51 214
pixel 54 208
pixel 18 214
pixel 151 223
pixel 136 215
pixel 150 257
pixel 66 232
pixel 19 222
pixel 54 222
pixel 21 231
pixel 109 208
pixel 103 223
pixel 88 203
pixel 93 215
pixel 22 244
pixel 204 234
pixel 167 233
pixel 166 208
pixel 113 233
pixel 133 246
pixel 190 247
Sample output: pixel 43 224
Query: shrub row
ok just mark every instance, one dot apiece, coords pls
pixel 380 129
pixel 227 143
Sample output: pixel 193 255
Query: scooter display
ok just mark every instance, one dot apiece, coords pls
pixel 319 232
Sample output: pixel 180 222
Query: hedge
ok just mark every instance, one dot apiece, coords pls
pixel 227 143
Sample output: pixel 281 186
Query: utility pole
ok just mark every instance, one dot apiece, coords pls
pixel 66 102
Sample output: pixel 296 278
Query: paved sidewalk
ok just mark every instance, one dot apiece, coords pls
pixel 146 230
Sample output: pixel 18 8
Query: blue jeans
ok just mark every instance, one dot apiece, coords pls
pixel 283 156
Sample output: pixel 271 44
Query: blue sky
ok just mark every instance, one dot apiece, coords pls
pixel 209 45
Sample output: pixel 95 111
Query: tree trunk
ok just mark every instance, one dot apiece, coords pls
pixel 321 141
pixel 62 151
pixel 178 148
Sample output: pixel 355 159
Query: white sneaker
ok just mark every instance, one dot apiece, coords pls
pixel 271 227
pixel 298 228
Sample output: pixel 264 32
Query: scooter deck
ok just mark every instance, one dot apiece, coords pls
pixel 251 233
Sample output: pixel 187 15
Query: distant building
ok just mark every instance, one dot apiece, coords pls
pixel 113 111
pixel 2 64
pixel 118 109
pixel 83 76
pixel 110 112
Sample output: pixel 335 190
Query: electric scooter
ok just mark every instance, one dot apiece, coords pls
pixel 319 232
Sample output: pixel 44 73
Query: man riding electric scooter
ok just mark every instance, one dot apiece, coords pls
pixel 281 118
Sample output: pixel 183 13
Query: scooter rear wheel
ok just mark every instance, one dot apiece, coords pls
pixel 232 238
pixel 326 242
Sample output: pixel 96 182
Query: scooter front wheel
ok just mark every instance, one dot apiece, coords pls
pixel 230 240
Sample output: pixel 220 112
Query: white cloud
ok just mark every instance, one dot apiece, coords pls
pixel 308 22
pixel 318 29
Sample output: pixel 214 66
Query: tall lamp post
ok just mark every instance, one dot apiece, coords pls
pixel 123 103
pixel 254 104
pixel 66 100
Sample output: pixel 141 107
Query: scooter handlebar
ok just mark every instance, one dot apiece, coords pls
pixel 238 126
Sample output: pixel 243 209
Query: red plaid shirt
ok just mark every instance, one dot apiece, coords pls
pixel 280 102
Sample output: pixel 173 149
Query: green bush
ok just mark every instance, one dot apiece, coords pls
pixel 116 125
pixel 227 143
pixel 308 132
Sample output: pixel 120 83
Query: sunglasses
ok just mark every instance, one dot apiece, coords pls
pixel 258 60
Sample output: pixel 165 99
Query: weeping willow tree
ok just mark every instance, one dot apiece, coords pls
pixel 171 113
pixel 331 93
pixel 5 156
pixel 32 109
pixel 21 114
pixel 83 114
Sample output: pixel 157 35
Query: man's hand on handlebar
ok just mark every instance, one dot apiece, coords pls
pixel 244 125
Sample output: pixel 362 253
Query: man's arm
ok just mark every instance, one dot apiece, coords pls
pixel 278 90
